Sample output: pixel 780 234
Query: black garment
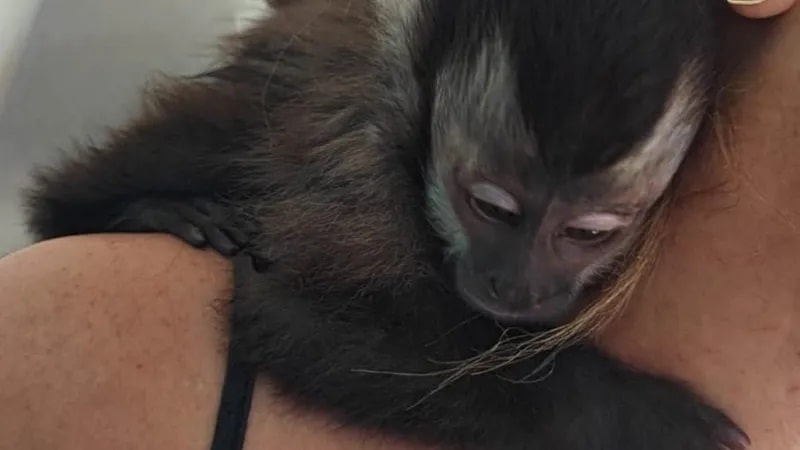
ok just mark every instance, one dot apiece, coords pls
pixel 234 406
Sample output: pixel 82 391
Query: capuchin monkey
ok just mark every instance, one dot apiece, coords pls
pixel 421 186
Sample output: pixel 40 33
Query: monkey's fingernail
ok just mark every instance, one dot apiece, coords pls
pixel 746 2
pixel 193 235
pixel 734 438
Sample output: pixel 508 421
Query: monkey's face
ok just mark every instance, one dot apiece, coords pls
pixel 548 151
pixel 522 247
pixel 525 241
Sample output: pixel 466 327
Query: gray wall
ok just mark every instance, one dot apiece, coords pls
pixel 80 70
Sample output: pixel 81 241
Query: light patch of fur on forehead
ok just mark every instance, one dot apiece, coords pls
pixel 476 107
pixel 646 173
pixel 476 114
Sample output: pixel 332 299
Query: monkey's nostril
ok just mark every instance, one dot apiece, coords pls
pixel 493 287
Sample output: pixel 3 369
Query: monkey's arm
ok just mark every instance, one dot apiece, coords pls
pixel 589 402
pixel 163 171
pixel 593 402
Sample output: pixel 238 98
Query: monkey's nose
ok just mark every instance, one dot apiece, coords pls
pixel 493 290
pixel 505 292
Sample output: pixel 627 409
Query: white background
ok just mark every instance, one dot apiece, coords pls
pixel 79 67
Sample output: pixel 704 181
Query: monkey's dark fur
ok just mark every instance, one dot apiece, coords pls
pixel 311 140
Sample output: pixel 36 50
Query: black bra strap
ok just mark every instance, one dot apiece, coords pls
pixel 234 406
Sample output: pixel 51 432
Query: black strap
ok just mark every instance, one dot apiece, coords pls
pixel 234 406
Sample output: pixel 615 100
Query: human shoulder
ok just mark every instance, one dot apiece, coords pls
pixel 110 341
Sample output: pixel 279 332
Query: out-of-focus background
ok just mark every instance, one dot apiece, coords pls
pixel 71 68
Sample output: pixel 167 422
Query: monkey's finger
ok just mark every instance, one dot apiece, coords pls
pixel 732 437
pixel 170 223
pixel 735 441
pixel 220 241
pixel 211 209
pixel 251 262
pixel 149 215
pixel 186 231
pixel 214 236
pixel 213 212
pixel 759 9
pixel 237 236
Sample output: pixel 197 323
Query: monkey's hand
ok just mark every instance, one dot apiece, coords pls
pixel 200 222
pixel 671 418
pixel 602 405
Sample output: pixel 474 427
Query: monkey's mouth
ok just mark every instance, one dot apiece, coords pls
pixel 550 310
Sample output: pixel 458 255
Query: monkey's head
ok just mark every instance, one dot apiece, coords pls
pixel 555 126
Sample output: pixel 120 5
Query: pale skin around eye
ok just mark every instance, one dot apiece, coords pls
pixel 757 9
pixel 497 205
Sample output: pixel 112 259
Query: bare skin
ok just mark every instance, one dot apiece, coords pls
pixel 116 341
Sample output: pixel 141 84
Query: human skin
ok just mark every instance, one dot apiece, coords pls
pixel 721 308
pixel 117 341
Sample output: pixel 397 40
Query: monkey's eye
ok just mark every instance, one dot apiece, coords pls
pixel 594 229
pixel 586 236
pixel 494 204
